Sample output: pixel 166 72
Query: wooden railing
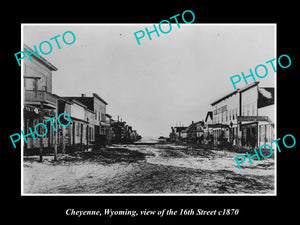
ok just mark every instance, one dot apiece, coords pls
pixel 39 96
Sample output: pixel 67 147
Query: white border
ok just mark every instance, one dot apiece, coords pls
pixel 141 24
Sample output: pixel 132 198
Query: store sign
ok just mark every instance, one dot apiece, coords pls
pixel 37 111
pixel 220 110
pixel 31 109
pixel 252 118
pixel 49 113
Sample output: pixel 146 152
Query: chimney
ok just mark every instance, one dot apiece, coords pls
pixel 192 122
pixel 118 118
pixel 83 95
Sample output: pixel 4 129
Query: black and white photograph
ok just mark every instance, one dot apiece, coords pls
pixel 144 109
pixel 166 115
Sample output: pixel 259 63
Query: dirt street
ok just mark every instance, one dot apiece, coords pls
pixel 148 169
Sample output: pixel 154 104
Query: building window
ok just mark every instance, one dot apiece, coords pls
pixel 248 109
pixel 77 129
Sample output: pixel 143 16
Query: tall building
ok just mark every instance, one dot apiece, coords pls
pixel 39 102
pixel 244 117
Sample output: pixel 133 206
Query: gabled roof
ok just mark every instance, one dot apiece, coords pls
pixel 209 114
pixel 98 97
pixel 179 129
pixel 193 126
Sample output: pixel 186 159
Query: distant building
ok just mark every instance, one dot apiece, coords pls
pixel 176 133
pixel 122 133
pixel 118 131
pixel 194 132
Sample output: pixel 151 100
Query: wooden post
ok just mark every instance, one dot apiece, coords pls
pixel 63 138
pixel 81 128
pixel 56 132
pixel 87 134
pixel 41 138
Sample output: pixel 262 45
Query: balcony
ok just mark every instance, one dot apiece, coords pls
pixel 35 97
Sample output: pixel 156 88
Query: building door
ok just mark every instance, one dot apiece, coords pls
pixel 81 133
pixel 250 136
pixel 73 133
pixel 97 131
pixel 87 134
pixel 253 143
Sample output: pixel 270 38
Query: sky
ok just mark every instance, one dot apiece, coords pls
pixel 167 81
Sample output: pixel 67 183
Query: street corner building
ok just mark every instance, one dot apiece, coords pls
pixel 90 124
pixel 242 118
pixel 39 102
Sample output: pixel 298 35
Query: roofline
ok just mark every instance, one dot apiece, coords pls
pixel 249 86
pixel 207 114
pixel 72 100
pixel 41 59
pixel 97 96
pixel 108 115
pixel 63 99
pixel 79 103
pixel 224 97
pixel 255 83
pixel 266 87
pixel 192 124
pixel 91 111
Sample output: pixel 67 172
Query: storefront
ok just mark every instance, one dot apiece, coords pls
pixel 249 135
pixel 266 134
pixel 220 133
pixel 33 116
pixel 251 127
pixel 234 137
